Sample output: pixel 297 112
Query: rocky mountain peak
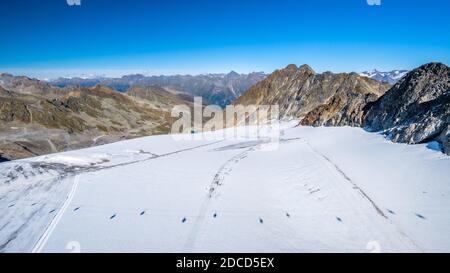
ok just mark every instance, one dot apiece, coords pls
pixel 433 66
pixel 326 98
pixel 306 69
pixel 416 109
pixel 425 83
pixel 233 73
pixel 291 67
pixel 303 69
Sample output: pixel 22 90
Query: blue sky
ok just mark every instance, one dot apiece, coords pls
pixel 49 38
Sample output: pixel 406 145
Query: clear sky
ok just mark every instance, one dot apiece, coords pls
pixel 49 38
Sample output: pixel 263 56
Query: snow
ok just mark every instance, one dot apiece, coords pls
pixel 390 77
pixel 75 161
pixel 319 190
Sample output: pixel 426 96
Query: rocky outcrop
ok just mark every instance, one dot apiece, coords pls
pixel 343 109
pixel 317 99
pixel 416 109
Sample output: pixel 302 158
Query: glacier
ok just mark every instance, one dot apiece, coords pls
pixel 326 189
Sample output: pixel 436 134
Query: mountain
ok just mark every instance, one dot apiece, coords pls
pixel 25 85
pixel 317 99
pixel 416 109
pixel 390 77
pixel 38 118
pixel 218 191
pixel 220 89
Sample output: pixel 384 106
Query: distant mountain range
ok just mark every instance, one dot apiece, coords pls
pixel 220 89
pixel 390 77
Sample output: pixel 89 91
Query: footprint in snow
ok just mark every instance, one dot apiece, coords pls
pixel 421 216
pixel 320 198
pixel 391 211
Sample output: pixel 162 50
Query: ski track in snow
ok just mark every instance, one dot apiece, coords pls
pixel 65 172
pixel 345 176
pixel 48 231
pixel 36 195
pixel 217 181
pixel 341 173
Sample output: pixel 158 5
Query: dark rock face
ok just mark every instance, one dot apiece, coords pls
pixel 318 99
pixel 416 109
pixel 2 159
pixel 343 109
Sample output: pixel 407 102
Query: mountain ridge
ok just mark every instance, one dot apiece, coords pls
pixel 220 89
pixel 415 110
pixel 301 92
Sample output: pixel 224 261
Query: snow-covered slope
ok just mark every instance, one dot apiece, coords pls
pixel 390 77
pixel 322 189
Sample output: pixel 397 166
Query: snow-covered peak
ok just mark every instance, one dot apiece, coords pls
pixel 390 77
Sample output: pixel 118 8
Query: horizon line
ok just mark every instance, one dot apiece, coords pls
pixel 87 73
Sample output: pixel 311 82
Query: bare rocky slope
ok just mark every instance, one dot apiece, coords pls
pixel 318 99
pixel 416 109
pixel 38 118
